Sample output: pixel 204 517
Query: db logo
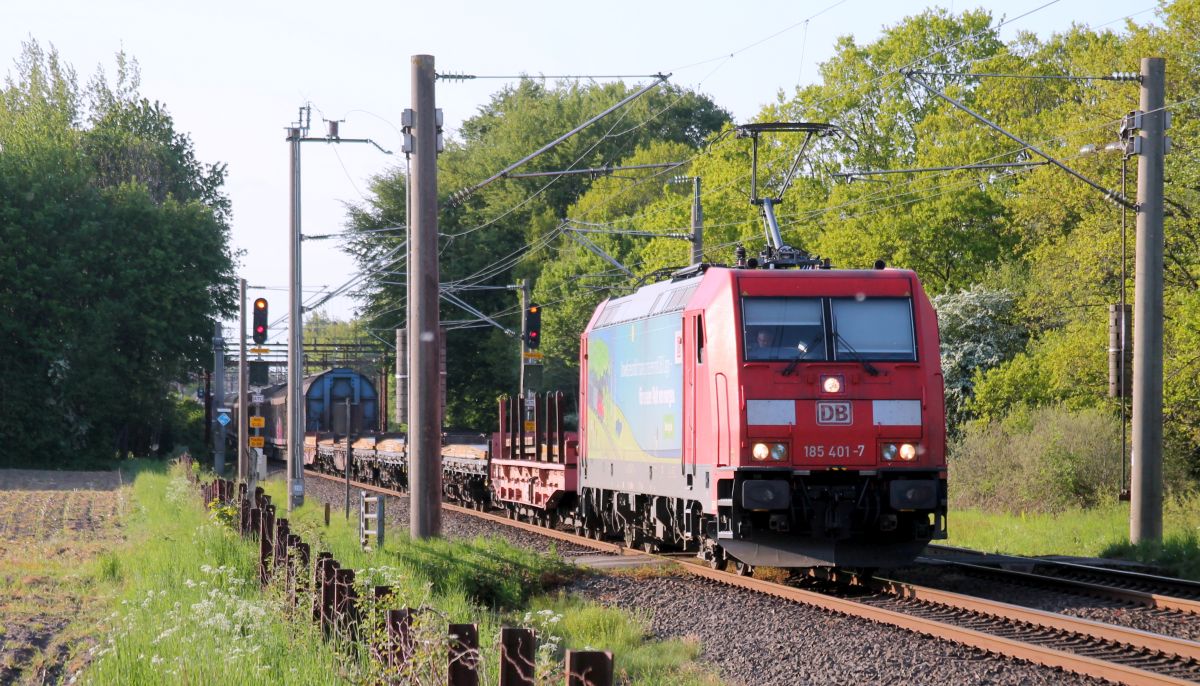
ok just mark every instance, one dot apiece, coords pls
pixel 834 413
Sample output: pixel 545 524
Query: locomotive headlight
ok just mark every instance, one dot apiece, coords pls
pixel 908 452
pixel 889 452
pixel 779 452
pixel 832 384
pixel 760 451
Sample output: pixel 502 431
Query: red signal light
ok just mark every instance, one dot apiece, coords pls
pixel 533 326
pixel 260 321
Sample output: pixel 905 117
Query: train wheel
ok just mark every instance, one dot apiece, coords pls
pixel 649 546
pixel 632 540
pixel 715 558
pixel 743 569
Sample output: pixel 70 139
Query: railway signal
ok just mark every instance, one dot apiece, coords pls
pixel 260 321
pixel 533 326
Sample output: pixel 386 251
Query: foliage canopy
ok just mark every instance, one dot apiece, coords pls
pixel 116 263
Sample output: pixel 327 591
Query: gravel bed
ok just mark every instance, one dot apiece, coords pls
pixel 1165 622
pixel 454 524
pixel 757 640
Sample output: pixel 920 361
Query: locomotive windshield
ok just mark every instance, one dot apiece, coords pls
pixel 778 328
pixel 806 329
pixel 873 328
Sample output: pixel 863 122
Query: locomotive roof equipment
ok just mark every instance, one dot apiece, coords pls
pixel 777 254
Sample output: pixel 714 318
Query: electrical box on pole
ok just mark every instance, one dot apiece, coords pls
pixel 260 321
pixel 260 373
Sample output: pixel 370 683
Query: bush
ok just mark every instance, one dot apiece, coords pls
pixel 1046 459
pixel 183 424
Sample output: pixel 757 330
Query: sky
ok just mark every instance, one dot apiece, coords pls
pixel 235 74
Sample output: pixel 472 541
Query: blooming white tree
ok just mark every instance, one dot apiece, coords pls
pixel 979 330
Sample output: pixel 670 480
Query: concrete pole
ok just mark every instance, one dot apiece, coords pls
pixel 424 430
pixel 218 400
pixel 243 387
pixel 1145 514
pixel 697 223
pixel 402 376
pixel 295 404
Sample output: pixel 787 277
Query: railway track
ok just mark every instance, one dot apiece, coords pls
pixel 1136 588
pixel 1082 646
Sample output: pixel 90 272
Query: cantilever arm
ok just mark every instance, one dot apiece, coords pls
pixel 1115 196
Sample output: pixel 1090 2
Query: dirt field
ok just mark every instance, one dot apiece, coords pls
pixel 51 525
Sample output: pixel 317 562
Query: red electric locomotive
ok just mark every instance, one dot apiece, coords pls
pixel 790 418
pixel 776 413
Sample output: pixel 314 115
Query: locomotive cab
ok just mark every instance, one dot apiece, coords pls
pixel 841 458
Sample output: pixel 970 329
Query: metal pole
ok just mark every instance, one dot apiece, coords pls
pixel 1123 489
pixel 347 458
pixel 697 223
pixel 1145 514
pixel 210 410
pixel 295 408
pixel 425 472
pixel 524 316
pixel 243 384
pixel 218 399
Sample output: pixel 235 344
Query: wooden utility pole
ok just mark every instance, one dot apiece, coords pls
pixel 424 394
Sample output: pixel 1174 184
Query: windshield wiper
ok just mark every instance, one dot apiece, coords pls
pixel 870 368
pixel 803 349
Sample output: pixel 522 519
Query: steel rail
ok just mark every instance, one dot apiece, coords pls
pixel 1149 599
pixel 1137 638
pixel 1050 657
pixel 999 645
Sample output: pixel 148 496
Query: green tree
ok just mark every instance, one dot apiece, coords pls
pixel 979 331
pixel 511 229
pixel 116 263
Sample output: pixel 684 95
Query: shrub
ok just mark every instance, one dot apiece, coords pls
pixel 1046 459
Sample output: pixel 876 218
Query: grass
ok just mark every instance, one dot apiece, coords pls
pixel 1102 531
pixel 186 608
